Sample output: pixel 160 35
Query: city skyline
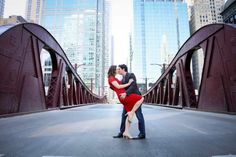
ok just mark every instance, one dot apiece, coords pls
pixel 82 24
pixel 159 30
pixel 120 21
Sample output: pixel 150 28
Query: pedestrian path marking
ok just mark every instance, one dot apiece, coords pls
pixel 225 155
pixel 57 156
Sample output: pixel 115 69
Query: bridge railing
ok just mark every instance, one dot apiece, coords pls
pixel 21 77
pixel 217 91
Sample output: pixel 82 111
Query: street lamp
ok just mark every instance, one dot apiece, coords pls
pixel 76 66
pixel 163 66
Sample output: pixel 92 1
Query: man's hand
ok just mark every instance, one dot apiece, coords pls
pixel 131 80
pixel 123 95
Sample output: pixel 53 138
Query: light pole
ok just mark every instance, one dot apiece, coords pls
pixel 76 66
pixel 163 67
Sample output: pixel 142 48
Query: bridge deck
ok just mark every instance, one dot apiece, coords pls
pixel 88 131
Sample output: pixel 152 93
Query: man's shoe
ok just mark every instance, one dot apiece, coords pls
pixel 120 135
pixel 140 136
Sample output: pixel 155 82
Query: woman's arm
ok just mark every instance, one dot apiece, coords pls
pixel 119 86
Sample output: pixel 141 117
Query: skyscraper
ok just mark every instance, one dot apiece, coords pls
pixel 2 5
pixel 203 12
pixel 78 25
pixel 33 10
pixel 229 12
pixel 108 49
pixel 159 29
pixel 190 5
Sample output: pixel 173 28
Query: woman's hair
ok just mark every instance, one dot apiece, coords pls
pixel 112 71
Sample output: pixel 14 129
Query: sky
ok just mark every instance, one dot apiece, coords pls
pixel 121 24
pixel 14 7
pixel 121 28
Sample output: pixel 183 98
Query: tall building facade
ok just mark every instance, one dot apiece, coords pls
pixel 203 12
pixel 2 5
pixel 108 48
pixel 229 12
pixel 190 5
pixel 78 25
pixel 130 57
pixel 160 27
pixel 33 10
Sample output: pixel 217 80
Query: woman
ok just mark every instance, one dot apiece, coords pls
pixel 131 102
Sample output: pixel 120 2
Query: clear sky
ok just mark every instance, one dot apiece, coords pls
pixel 14 7
pixel 121 27
pixel 121 23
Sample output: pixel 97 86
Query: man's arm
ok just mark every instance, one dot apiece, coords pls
pixel 120 86
pixel 132 87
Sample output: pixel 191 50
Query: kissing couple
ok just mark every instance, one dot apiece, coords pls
pixel 129 95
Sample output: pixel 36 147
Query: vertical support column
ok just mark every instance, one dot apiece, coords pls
pixel 161 91
pixel 70 90
pixel 75 97
pixel 165 96
pixel 170 90
pixel 186 85
pixel 64 92
pixel 176 93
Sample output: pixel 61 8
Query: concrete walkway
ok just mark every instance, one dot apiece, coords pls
pixel 87 132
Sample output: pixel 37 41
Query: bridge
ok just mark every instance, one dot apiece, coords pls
pixel 176 121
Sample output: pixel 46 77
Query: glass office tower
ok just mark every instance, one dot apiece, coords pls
pixel 2 4
pixel 33 10
pixel 160 27
pixel 78 25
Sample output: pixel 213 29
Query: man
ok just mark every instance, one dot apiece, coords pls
pixel 133 88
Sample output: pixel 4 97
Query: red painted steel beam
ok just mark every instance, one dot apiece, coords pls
pixel 21 77
pixel 218 85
